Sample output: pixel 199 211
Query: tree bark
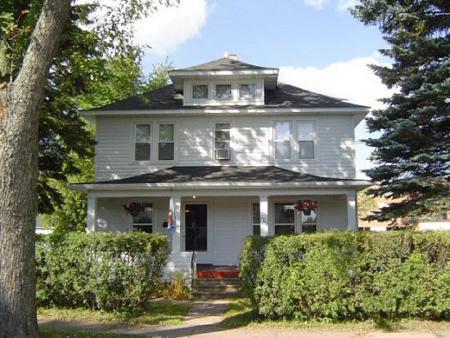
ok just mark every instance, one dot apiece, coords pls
pixel 18 174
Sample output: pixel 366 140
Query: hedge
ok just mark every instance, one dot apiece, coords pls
pixel 111 272
pixel 341 276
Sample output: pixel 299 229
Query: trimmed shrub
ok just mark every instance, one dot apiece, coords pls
pixel 107 271
pixel 348 275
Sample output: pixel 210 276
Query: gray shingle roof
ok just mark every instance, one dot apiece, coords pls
pixel 224 64
pixel 284 96
pixel 268 174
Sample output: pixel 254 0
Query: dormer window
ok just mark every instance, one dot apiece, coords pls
pixel 223 92
pixel 247 91
pixel 200 91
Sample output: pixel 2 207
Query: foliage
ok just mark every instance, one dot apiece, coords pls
pixel 347 276
pixel 412 152
pixel 111 272
pixel 178 287
pixel 366 204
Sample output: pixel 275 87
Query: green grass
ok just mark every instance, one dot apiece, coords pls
pixel 43 333
pixel 240 314
pixel 158 313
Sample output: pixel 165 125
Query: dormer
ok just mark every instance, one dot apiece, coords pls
pixel 222 82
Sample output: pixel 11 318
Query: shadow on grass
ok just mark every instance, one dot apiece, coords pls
pixel 239 313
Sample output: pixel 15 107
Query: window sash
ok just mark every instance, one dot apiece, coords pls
pixel 144 217
pixel 306 150
pixel 287 213
pixel 222 136
pixel 256 223
pixel 200 91
pixel 166 144
pixel 247 91
pixel 142 142
pixel 224 91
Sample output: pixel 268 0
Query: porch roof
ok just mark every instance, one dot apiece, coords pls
pixel 222 176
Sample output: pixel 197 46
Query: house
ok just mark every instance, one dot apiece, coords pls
pixel 231 151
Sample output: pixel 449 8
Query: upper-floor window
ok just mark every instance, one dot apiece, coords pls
pixel 306 138
pixel 166 144
pixel 200 91
pixel 223 92
pixel 247 91
pixel 143 142
pixel 222 135
pixel 282 140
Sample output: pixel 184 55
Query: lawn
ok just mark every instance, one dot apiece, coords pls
pixel 162 312
pixel 79 334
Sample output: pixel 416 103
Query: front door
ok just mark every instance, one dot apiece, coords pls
pixel 196 227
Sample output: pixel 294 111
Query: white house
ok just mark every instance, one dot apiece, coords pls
pixel 232 150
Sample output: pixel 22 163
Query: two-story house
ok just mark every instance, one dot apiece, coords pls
pixel 230 150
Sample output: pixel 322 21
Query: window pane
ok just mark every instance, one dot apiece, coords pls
pixel 223 92
pixel 283 150
pixel 166 151
pixel 247 91
pixel 166 132
pixel 142 152
pixel 282 130
pixel 306 130
pixel 256 214
pixel 311 218
pixel 222 145
pixel 306 149
pixel 222 135
pixel 200 91
pixel 284 214
pixel 284 229
pixel 256 230
pixel 143 133
pixel 145 215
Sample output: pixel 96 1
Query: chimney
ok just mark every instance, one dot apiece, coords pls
pixel 233 57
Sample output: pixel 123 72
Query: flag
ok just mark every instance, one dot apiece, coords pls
pixel 171 219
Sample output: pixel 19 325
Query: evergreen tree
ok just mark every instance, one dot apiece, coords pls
pixel 413 151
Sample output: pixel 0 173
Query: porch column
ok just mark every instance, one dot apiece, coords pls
pixel 175 201
pixel 263 215
pixel 352 218
pixel 91 214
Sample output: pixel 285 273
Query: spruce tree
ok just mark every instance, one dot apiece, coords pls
pixel 412 155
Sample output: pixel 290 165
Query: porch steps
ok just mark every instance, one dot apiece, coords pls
pixel 214 288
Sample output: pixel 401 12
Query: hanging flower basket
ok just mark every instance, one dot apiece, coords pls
pixel 305 206
pixel 134 208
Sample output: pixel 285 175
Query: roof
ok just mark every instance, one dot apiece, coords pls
pixel 226 63
pixel 227 174
pixel 283 96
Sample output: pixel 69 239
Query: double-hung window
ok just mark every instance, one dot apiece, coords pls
pixel 166 144
pixel 306 138
pixel 143 142
pixel 223 92
pixel 282 140
pixel 256 219
pixel 247 91
pixel 284 219
pixel 222 135
pixel 144 219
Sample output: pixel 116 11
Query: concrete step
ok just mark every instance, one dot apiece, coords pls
pixel 209 282
pixel 216 288
pixel 216 295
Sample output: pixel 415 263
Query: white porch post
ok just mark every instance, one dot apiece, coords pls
pixel 352 218
pixel 176 236
pixel 264 215
pixel 91 214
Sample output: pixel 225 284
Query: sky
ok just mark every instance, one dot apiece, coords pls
pixel 317 44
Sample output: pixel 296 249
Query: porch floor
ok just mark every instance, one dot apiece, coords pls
pixel 209 271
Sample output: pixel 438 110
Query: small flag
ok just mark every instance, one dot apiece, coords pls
pixel 171 219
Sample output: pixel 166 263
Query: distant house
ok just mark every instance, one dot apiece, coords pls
pixel 231 151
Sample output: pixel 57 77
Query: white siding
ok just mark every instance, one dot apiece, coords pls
pixel 251 143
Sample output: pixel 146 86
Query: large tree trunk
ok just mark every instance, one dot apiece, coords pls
pixel 18 174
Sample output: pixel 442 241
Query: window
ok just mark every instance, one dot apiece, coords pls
pixel 282 140
pixel 284 219
pixel 166 146
pixel 309 221
pixel 200 91
pixel 223 92
pixel 256 221
pixel 247 91
pixel 306 136
pixel 143 141
pixel 144 219
pixel 222 141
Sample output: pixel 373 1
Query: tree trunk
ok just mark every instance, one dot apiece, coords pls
pixel 18 174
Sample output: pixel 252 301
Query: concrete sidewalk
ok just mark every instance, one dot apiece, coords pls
pixel 204 320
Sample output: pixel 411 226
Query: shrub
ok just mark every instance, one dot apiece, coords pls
pixel 178 287
pixel 337 276
pixel 112 272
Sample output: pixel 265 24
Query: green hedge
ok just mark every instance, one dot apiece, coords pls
pixel 340 276
pixel 111 272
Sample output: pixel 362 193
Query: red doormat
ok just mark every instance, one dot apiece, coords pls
pixel 218 272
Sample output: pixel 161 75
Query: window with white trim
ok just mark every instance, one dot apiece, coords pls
pixel 309 220
pixel 282 140
pixel 143 142
pixel 284 219
pixel 143 221
pixel 200 91
pixel 256 219
pixel 223 92
pixel 306 139
pixel 166 144
pixel 247 91
pixel 222 137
